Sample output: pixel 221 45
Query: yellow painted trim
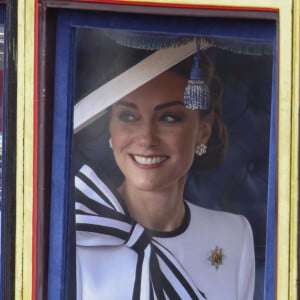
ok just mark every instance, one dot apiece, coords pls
pixel 28 148
pixel 20 155
pixel 284 149
pixel 295 154
pixel 25 88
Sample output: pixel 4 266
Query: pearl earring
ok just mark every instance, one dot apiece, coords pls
pixel 200 149
pixel 110 143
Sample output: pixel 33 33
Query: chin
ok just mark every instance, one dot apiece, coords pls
pixel 147 187
pixel 145 184
pixel 154 185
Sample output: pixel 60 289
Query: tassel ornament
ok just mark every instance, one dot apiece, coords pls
pixel 196 95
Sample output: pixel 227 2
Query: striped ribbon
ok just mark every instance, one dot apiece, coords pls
pixel 101 220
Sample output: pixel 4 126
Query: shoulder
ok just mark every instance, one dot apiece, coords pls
pixel 221 228
pixel 210 231
pixel 218 220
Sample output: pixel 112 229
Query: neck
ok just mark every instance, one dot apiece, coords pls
pixel 162 210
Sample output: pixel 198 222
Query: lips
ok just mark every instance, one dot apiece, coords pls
pixel 149 161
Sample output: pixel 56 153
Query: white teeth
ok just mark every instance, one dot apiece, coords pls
pixel 149 160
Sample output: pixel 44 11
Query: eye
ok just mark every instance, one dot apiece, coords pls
pixel 126 116
pixel 171 118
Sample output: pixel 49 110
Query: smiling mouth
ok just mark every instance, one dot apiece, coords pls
pixel 146 160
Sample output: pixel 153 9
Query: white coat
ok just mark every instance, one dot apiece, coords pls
pixel 108 273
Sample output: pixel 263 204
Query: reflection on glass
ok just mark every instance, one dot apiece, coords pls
pixel 107 70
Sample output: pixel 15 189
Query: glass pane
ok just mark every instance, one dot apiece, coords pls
pixel 107 62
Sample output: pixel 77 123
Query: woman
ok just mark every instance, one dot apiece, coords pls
pixel 145 241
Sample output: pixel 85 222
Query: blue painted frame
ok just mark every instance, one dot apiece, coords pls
pixel 61 256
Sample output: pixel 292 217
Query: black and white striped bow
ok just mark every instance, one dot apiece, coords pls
pixel 102 221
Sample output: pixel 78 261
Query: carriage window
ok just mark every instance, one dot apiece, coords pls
pixel 127 122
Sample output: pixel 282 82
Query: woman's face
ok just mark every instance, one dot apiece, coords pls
pixel 154 136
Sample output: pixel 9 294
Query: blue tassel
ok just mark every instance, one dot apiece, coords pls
pixel 196 95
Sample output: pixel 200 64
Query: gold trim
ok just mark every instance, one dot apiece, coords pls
pixel 284 153
pixel 24 190
pixel 293 293
pixel 20 155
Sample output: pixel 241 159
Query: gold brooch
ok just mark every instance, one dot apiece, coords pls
pixel 216 257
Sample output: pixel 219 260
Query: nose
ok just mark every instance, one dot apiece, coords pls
pixel 146 135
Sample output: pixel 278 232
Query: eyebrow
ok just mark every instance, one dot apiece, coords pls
pixel 158 107
pixel 127 104
pixel 165 105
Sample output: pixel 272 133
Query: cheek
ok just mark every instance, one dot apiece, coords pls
pixel 118 135
pixel 183 162
pixel 184 147
pixel 120 140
